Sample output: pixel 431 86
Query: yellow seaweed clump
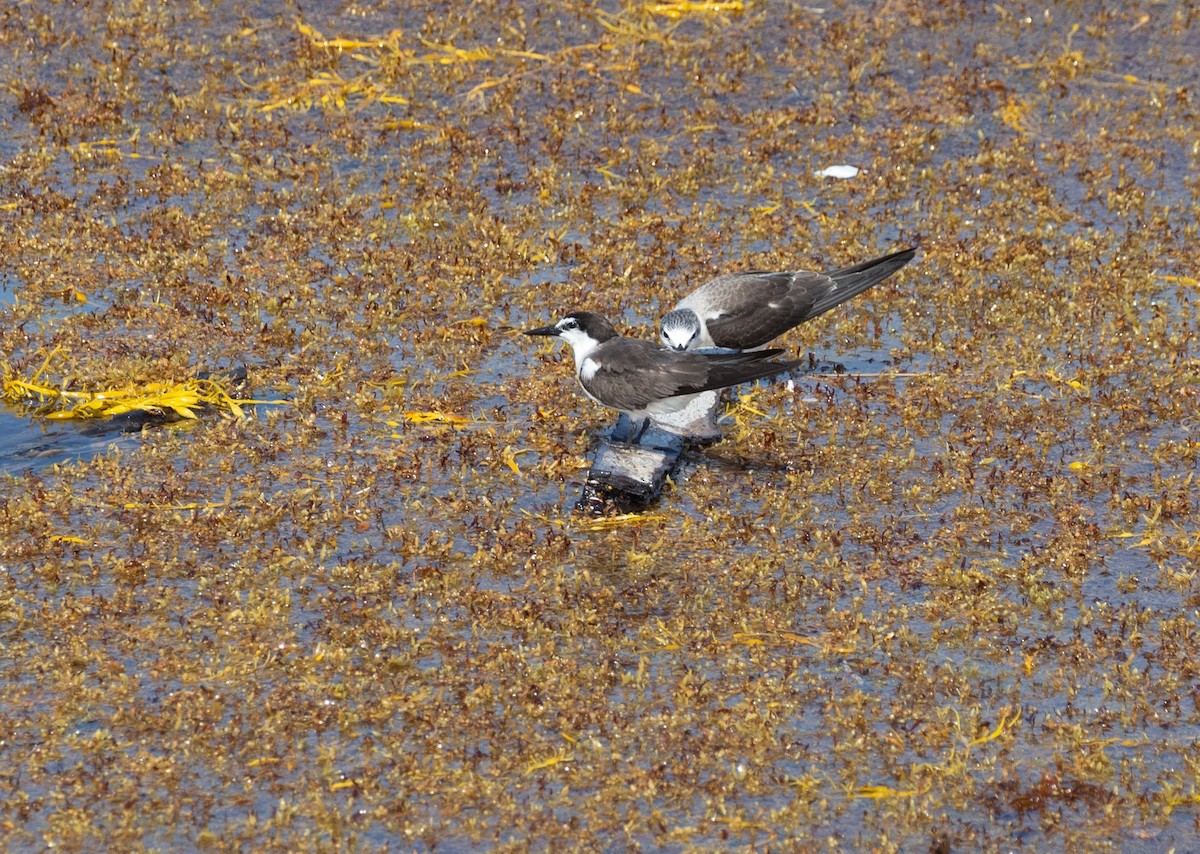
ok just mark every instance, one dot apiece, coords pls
pixel 169 401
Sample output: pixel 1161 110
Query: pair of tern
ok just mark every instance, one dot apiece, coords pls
pixel 739 313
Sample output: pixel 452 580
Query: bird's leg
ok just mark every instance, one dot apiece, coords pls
pixel 637 439
pixel 632 434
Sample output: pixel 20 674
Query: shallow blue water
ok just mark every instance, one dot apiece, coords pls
pixel 32 444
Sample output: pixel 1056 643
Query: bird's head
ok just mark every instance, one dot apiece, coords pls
pixel 679 328
pixel 583 330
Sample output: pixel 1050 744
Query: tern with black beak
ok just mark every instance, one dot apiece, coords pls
pixel 640 378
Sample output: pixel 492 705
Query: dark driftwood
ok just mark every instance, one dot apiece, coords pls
pixel 628 477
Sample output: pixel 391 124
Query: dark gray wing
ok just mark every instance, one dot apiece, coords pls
pixel 633 374
pixel 749 309
pixel 722 375
pixel 852 281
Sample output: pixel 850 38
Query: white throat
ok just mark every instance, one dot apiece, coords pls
pixel 582 345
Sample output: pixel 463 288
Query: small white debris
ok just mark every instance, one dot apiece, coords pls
pixel 841 171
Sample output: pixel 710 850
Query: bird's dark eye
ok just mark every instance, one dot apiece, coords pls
pixel 569 323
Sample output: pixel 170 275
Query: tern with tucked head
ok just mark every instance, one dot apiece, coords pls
pixel 640 378
pixel 743 311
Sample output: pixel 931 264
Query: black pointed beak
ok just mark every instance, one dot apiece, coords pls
pixel 543 330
